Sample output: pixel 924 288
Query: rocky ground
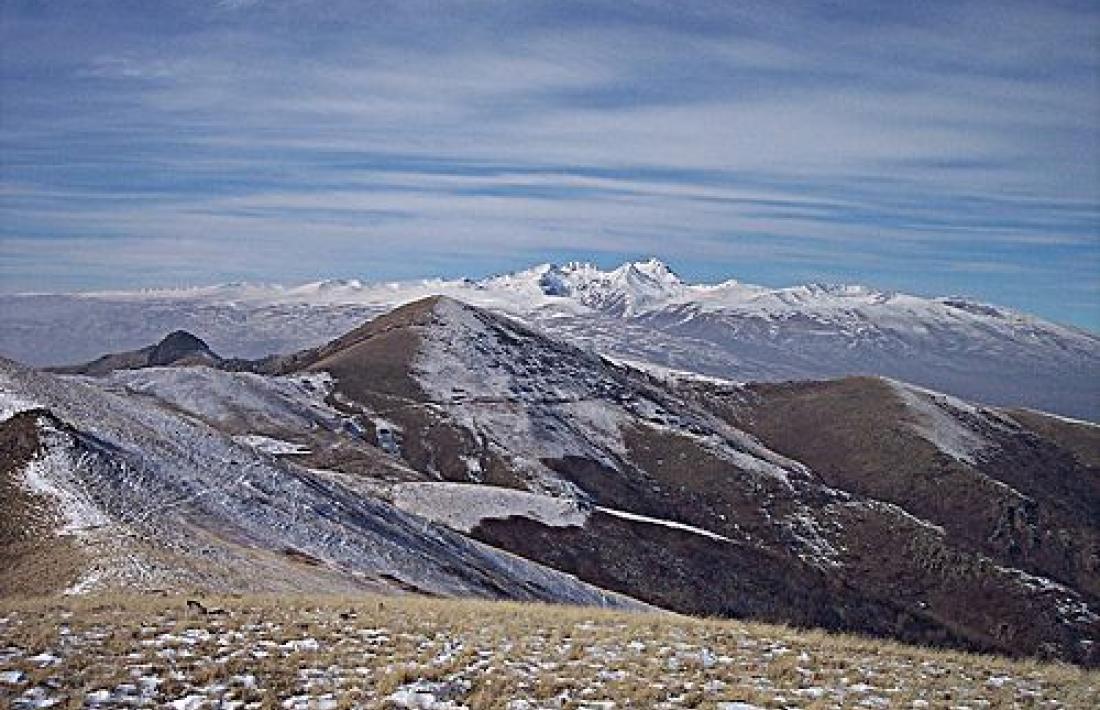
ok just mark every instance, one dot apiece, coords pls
pixel 414 652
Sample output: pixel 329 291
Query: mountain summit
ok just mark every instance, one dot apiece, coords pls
pixel 177 348
pixel 624 290
pixel 180 345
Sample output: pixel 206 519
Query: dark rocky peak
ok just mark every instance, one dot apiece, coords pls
pixel 179 345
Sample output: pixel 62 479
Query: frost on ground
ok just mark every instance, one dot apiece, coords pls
pixel 411 652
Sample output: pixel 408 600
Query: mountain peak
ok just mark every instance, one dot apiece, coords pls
pixel 177 348
pixel 177 345
pixel 653 273
pixel 652 267
pixel 625 288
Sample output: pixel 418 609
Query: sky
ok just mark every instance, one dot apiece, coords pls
pixel 926 147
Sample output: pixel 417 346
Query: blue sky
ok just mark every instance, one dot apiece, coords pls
pixel 930 147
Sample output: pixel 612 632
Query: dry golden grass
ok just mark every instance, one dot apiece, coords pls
pixel 343 652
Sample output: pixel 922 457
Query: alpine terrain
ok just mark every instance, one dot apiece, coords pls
pixel 639 311
pixel 447 449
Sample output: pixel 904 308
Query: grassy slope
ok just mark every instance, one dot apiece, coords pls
pixel 484 654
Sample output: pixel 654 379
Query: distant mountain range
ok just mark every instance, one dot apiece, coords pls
pixel 640 312
pixel 444 448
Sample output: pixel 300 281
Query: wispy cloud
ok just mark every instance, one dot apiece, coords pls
pixel 941 145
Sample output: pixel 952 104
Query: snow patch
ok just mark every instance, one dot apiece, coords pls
pixel 463 506
pixel 894 509
pixel 634 517
pixel 425 695
pixel 88 582
pixel 671 374
pixel 270 445
pixel 386 433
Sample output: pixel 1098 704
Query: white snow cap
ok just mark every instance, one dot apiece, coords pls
pixel 627 288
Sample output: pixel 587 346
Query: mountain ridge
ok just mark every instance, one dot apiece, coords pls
pixel 692 494
pixel 639 311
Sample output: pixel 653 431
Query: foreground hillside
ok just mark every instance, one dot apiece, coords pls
pixel 102 491
pixel 412 652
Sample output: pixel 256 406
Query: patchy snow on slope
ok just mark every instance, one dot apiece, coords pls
pixel 808 533
pixel 512 390
pixel 11 401
pixel 937 420
pixel 671 374
pixel 53 473
pixel 463 506
pixel 270 445
pixel 725 442
pixel 208 501
pixel 536 400
pixel 894 509
pixel 1071 607
pixel 1067 420
pixel 291 402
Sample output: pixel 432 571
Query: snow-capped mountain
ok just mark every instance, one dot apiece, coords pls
pixel 630 289
pixel 638 312
pixel 417 450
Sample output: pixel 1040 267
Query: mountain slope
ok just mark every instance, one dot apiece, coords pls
pixel 148 498
pixel 992 481
pixel 860 504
